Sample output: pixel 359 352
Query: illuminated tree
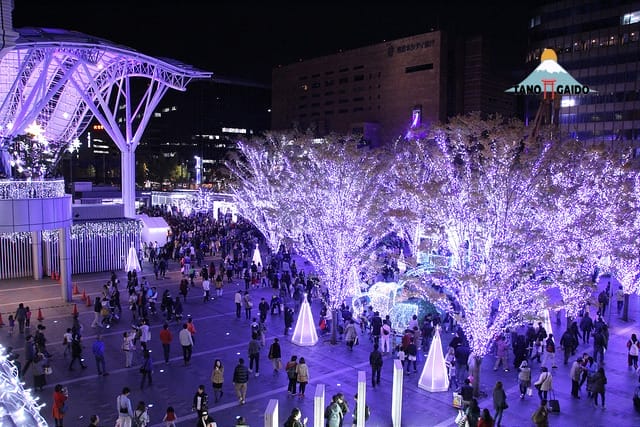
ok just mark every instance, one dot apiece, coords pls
pixel 489 195
pixel 337 202
pixel 262 176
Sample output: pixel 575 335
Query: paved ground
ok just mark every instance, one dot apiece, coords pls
pixel 220 335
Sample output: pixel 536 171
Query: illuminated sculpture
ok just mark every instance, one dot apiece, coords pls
pixel 434 373
pixel 305 333
pixel 90 77
pixel 18 407
pixel 132 260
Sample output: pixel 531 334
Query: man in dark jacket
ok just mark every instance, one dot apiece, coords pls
pixel 240 379
pixel 586 325
pixel 288 319
pixel 567 344
pixel 200 402
pixel 375 360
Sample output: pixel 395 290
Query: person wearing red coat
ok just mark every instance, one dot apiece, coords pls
pixel 60 396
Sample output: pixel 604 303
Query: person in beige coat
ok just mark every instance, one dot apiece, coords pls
pixel 217 379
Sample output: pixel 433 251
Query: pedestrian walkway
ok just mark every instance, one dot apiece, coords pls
pixel 221 335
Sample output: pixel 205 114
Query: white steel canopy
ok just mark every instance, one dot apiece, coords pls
pixel 61 79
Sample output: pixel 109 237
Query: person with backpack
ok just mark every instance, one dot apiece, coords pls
pixel 140 415
pixel 292 375
pixel 633 349
pixel 375 360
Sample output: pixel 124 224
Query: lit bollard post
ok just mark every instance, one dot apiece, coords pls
pixel 362 397
pixel 318 406
pixel 396 394
pixel 271 414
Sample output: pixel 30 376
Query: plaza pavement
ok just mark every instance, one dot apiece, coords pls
pixel 221 335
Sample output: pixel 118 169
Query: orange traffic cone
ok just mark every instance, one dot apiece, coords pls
pixel 89 301
pixel 75 309
pixel 76 291
pixel 40 316
pixel 1 322
pixel 84 295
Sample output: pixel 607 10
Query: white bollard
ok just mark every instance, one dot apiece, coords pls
pixel 318 406
pixel 362 397
pixel 396 394
pixel 271 414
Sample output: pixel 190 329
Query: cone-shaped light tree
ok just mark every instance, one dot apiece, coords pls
pixel 488 197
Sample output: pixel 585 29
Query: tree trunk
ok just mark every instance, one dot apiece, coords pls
pixel 334 326
pixel 475 373
pixel 625 308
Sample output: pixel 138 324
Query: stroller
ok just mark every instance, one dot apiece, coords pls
pixel 109 314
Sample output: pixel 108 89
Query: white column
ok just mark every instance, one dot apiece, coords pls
pixel 36 254
pixel 128 181
pixel 271 414
pixel 362 397
pixel 64 248
pixel 318 406
pixel 396 393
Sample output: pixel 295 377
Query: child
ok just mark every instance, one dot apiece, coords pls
pixel 12 324
pixel 67 337
pixel 400 354
pixel 170 417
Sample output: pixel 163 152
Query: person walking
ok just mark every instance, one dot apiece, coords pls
pixel 567 344
pixel 98 354
pixel 170 418
pixel 544 383
pixel 550 353
pixel 165 338
pixel 238 300
pixel 292 375
pixel 186 341
pixel 123 405
pixel 633 349
pixel 499 402
pixel 29 354
pixel 473 412
pixel 145 335
pixel 97 309
pixel 200 402
pixel 375 360
pixel 240 379
pixel 248 304
pixel 40 362
pixel 524 378
pixel 598 383
pixel 575 374
pixel 302 374
pixel 217 379
pixel 350 334
pixel 146 369
pixel 76 352
pixel 288 320
pixel 586 325
pixel 128 347
pixel 21 317
pixel 541 415
pixel 254 354
pixel 59 407
pixel 206 288
pixel 367 411
pixel 275 355
pixel 485 419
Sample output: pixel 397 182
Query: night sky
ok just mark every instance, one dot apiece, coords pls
pixel 246 40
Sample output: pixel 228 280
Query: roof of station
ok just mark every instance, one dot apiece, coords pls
pixel 50 76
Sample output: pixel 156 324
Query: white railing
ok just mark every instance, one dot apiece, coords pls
pixel 40 189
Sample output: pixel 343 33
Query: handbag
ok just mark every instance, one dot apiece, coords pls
pixel 48 370
pixel 461 418
pixel 529 391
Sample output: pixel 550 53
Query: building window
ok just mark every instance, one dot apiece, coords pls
pixel 342 70
pixel 358 78
pixel 343 110
pixel 328 83
pixel 631 18
pixel 328 113
pixel 315 85
pixel 355 110
pixel 358 67
pixel 421 67
pixel 358 99
pixel 343 80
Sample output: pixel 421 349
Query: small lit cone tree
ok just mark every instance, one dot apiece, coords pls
pixel 261 181
pixel 434 373
pixel 489 184
pixel 305 334
pixel 337 203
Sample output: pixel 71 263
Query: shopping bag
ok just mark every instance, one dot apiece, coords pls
pixel 529 391
pixel 457 400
